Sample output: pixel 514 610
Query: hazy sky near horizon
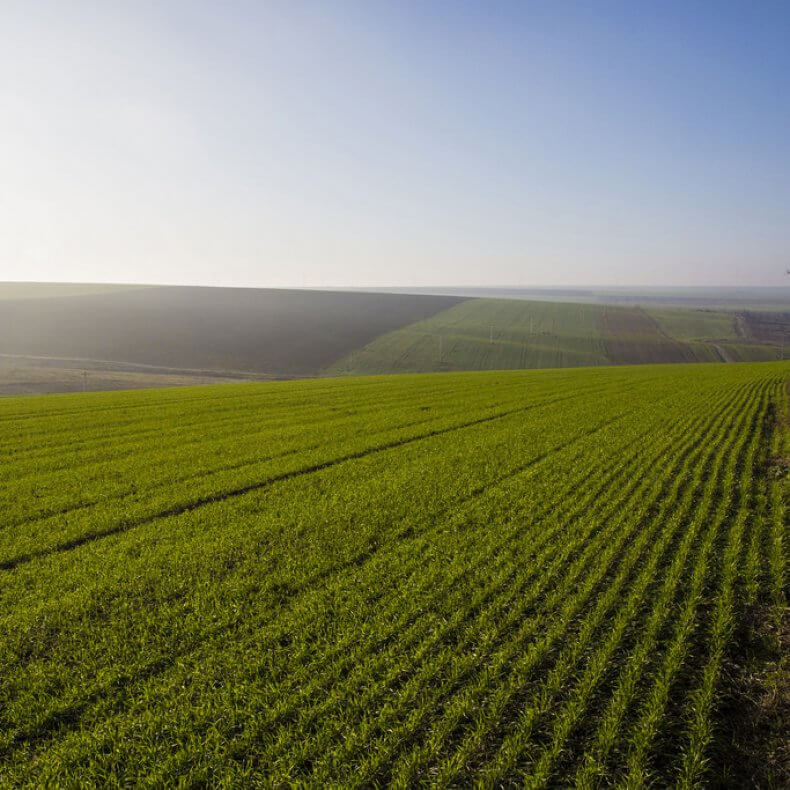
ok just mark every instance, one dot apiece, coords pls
pixel 301 143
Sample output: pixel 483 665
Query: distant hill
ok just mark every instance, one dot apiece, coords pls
pixel 492 334
pixel 263 331
pixel 57 338
pixel 775 299
pixel 20 290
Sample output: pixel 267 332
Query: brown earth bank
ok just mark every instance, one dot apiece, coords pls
pixel 753 749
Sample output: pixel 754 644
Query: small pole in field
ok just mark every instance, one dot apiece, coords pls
pixel 530 324
pixel 491 333
pixel 440 349
pixel 84 380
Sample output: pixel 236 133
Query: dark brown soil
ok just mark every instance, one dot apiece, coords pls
pixel 754 748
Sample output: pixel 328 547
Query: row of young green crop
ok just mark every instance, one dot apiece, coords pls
pixel 250 432
pixel 521 732
pixel 441 493
pixel 499 600
pixel 59 597
pixel 509 430
pixel 115 509
pixel 242 453
pixel 433 669
pixel 690 557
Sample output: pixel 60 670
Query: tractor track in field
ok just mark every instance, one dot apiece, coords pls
pixel 188 507
pixel 543 586
pixel 98 463
pixel 72 714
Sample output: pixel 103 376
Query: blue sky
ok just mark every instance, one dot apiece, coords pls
pixel 396 143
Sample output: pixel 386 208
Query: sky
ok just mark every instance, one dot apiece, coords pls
pixel 371 143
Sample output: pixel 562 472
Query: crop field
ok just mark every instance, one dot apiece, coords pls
pixel 512 578
pixel 163 335
pixel 240 330
pixel 499 334
pixel 488 334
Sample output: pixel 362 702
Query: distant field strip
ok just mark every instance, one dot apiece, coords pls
pixel 490 579
pixel 507 334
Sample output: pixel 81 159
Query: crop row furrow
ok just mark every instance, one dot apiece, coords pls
pixel 454 580
pixel 569 579
pixel 475 494
pixel 171 469
pixel 220 496
pixel 699 702
pixel 647 725
pixel 709 511
pixel 655 538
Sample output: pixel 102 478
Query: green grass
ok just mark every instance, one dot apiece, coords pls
pixel 713 333
pixel 753 352
pixel 696 324
pixel 479 578
pixel 506 334
pixel 487 334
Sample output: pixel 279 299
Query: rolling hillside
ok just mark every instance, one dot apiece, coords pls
pixel 481 579
pixel 729 333
pixel 488 334
pixel 199 331
pixel 497 334
pixel 70 337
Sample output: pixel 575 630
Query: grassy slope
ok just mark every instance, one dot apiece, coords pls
pixel 272 332
pixel 355 582
pixel 717 328
pixel 525 335
pixel 538 334
pixel 695 324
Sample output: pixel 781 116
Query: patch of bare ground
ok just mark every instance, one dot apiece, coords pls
pixel 779 467
pixel 754 747
pixel 754 750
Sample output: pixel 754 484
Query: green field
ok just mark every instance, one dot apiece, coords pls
pixel 158 335
pixel 189 330
pixel 487 334
pixel 696 324
pixel 719 329
pixel 506 334
pixel 494 578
